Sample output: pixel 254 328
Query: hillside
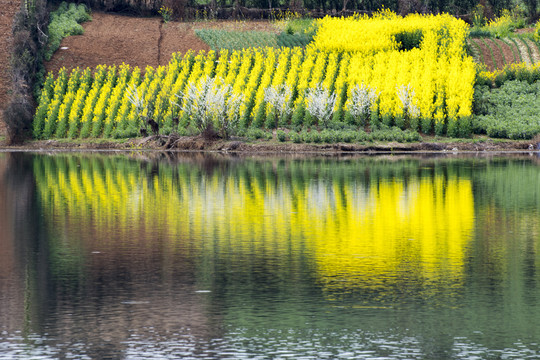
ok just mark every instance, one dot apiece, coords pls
pixel 116 39
pixel 8 8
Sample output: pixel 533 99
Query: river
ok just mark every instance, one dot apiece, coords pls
pixel 190 256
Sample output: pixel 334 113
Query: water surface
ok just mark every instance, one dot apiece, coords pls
pixel 145 256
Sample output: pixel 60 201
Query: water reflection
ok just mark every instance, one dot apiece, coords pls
pixel 211 257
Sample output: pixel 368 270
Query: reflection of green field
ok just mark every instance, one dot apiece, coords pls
pixel 431 250
pixel 357 222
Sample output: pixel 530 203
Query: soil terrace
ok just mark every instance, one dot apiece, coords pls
pixel 113 39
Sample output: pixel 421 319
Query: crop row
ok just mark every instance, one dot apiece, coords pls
pixel 415 76
pixel 498 53
pixel 237 40
pixel 408 90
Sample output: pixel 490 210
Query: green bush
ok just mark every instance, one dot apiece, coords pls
pixel 304 26
pixel 409 40
pixel 510 111
pixel 295 137
pixel 385 134
pixel 255 134
pixel 65 21
pixel 281 136
pixel 478 32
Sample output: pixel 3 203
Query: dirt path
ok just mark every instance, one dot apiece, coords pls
pixel 8 8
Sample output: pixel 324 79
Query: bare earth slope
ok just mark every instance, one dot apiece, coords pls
pixel 8 8
pixel 115 39
pixel 112 39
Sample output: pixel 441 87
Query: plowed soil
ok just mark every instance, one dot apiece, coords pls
pixel 486 54
pixel 506 50
pixel 113 39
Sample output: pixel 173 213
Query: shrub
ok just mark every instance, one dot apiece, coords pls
pixel 281 135
pixel 65 21
pixel 510 111
pixel 295 137
pixel 320 104
pixel 395 134
pixel 212 106
pixel 18 118
pixel 408 39
pixel 255 134
pixel 361 102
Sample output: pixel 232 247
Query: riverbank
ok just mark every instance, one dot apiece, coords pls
pixel 200 144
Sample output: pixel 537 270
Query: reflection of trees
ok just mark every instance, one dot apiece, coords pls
pixel 260 213
pixel 267 234
pixel 21 256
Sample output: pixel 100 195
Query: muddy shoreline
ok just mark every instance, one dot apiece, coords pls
pixel 199 144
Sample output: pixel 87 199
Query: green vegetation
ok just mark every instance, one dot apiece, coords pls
pixel 510 111
pixel 65 21
pixel 330 136
pixel 237 40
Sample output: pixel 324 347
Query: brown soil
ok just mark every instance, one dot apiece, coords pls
pixel 113 39
pixel 8 8
pixel 262 147
pixel 486 54
pixel 497 55
pixel 515 49
pixel 507 53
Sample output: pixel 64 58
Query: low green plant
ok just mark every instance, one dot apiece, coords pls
pixel 236 40
pixel 65 21
pixel 385 133
pixel 166 13
pixel 295 137
pixel 510 111
pixel 305 26
pixel 256 133
pixel 281 135
pixel 409 39
pixel 479 32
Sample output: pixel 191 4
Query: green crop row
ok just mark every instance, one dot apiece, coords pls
pixel 65 21
pixel 237 40
pixel 510 111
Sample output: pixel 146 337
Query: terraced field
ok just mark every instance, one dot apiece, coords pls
pixel 497 53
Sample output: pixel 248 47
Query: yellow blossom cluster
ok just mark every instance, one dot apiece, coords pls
pixel 427 86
